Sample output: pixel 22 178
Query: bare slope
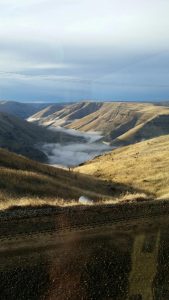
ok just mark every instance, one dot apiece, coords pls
pixel 68 114
pixel 120 123
pixel 154 127
pixel 111 116
pixel 144 166
pixel 126 123
pixel 45 112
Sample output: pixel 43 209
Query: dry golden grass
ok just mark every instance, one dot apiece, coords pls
pixel 6 202
pixel 26 182
pixel 111 115
pixel 143 166
pixel 34 202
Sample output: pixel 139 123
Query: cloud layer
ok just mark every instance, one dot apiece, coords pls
pixel 73 154
pixel 64 50
pixel 70 155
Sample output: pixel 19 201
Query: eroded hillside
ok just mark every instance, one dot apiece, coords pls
pixel 120 123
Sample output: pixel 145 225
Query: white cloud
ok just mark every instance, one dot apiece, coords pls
pixel 118 23
pixel 73 154
pixel 70 155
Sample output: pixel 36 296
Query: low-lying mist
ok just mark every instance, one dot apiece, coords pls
pixel 73 154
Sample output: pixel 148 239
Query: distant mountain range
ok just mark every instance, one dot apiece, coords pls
pixel 45 112
pixel 121 123
pixel 22 110
pixel 25 110
pixel 55 116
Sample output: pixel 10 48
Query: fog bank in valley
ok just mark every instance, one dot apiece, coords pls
pixel 73 154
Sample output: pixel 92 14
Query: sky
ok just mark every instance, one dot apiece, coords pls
pixel 69 50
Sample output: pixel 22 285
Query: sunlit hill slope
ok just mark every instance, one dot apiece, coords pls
pixel 144 166
pixel 120 123
pixel 126 123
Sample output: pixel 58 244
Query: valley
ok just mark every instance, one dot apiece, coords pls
pixel 84 150
pixel 117 124
pixel 24 138
pixel 120 123
pixel 49 237
pixel 104 148
pixel 73 153
pixel 54 145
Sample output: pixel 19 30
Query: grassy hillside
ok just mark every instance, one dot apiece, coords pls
pixel 121 123
pixel 68 114
pixel 126 123
pixel 21 136
pixel 111 116
pixel 154 127
pixel 108 117
pixel 23 181
pixel 144 166
pixel 45 112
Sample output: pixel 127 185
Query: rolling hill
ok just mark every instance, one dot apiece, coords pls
pixel 45 112
pixel 49 110
pixel 66 115
pixel 23 181
pixel 121 123
pixel 20 136
pixel 153 127
pixel 144 166
pixel 126 123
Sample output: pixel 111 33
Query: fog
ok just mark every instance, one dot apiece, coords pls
pixel 73 154
pixel 89 136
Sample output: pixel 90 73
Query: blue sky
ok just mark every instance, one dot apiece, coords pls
pixel 65 50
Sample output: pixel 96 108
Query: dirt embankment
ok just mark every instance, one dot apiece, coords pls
pixel 30 220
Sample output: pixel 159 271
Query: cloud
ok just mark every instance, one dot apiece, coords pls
pixel 71 50
pixel 73 154
pixel 90 136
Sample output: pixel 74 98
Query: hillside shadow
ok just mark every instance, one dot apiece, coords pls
pixel 108 187
pixel 65 185
pixel 22 178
